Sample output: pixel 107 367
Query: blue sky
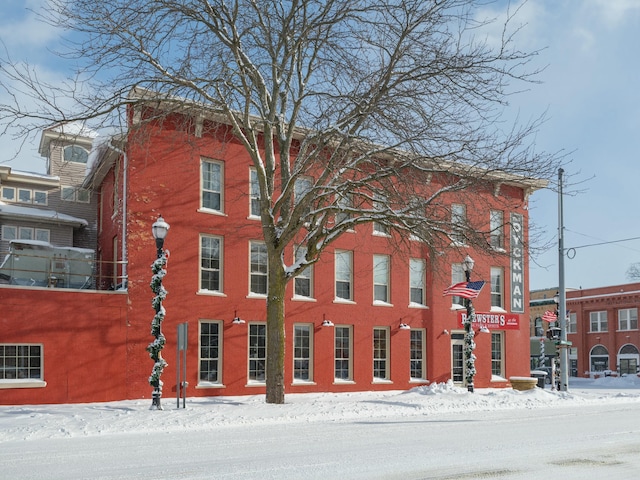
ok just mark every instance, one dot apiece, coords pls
pixel 590 91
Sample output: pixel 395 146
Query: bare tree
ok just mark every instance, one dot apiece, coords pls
pixel 369 99
pixel 633 272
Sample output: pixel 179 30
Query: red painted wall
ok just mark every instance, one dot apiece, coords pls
pixel 84 339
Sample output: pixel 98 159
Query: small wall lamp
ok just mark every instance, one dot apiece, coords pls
pixel 326 322
pixel 236 319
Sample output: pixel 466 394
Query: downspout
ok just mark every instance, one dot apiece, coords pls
pixel 125 169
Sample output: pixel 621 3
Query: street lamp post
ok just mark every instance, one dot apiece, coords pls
pixel 469 343
pixel 159 230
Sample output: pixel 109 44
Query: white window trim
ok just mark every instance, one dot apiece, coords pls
pixel 311 381
pixel 387 357
pixel 220 291
pixel 220 358
pixel 335 279
pixel 201 208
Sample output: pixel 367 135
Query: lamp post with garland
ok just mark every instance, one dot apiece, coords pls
pixel 159 230
pixel 469 334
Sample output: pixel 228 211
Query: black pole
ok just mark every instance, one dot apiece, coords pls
pixel 469 345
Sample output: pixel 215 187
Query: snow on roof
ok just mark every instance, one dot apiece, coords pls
pixel 39 214
pixel 76 129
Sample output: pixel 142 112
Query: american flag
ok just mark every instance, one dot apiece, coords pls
pixel 465 289
pixel 550 316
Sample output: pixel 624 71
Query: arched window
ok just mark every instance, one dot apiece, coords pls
pixel 76 154
pixel 628 359
pixel 599 359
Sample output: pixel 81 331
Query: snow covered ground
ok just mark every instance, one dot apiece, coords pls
pixel 440 431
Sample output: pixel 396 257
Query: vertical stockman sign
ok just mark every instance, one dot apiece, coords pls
pixel 517 264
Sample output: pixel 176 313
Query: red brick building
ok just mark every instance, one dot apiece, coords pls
pixel 602 327
pixel 391 327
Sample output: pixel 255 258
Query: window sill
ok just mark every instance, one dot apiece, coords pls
pixel 337 381
pixel 256 384
pixel 211 293
pixel 211 212
pixel 257 295
pixel 204 385
pixel 299 298
pixel 418 305
pixel 302 383
pixel 422 381
pixel 497 310
pixel 381 381
pixel 22 383
pixel 344 301
pixel 379 303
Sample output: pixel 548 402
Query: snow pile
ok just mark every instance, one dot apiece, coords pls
pixel 20 423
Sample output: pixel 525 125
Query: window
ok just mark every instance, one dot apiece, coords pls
pixel 257 352
pixel 254 194
pixel 25 233
pixel 343 361
pixel 303 282
pixel 496 229
pixel 457 276
pixel 42 234
pixel 497 286
pixel 379 206
pixel 76 154
pixel 40 197
pixel 72 194
pixel 9 194
pixel 458 221
pixel 497 354
pixel 381 353
pixel 418 370
pixel 599 358
pixel 302 353
pixel 210 352
pixel 259 268
pixel 345 203
pixel 628 319
pixel 344 274
pixel 9 232
pixel 210 263
pixel 20 362
pixel 24 195
pixel 381 278
pixel 302 186
pixel 417 281
pixel 211 185
pixel 572 324
pixel 598 321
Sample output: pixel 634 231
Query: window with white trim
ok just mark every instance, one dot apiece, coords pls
pixel 496 229
pixel 628 319
pixel 302 353
pixel 259 268
pixel 74 194
pixel 598 321
pixel 212 181
pixel 9 194
pixel 381 278
pixel 257 353
pixel 254 193
pixel 497 287
pixel 19 362
pixel 497 354
pixel 344 274
pixel 211 263
pixel 458 222
pixel 76 154
pixel 379 205
pixel 457 276
pixel 24 195
pixel 381 353
pixel 572 324
pixel 343 359
pixel 301 187
pixel 418 354
pixel 210 362
pixel 417 281
pixel 9 232
pixel 303 282
pixel 345 203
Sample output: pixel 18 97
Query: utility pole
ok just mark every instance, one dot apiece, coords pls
pixel 562 304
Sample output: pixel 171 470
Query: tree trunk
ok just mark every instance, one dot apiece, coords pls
pixel 275 332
